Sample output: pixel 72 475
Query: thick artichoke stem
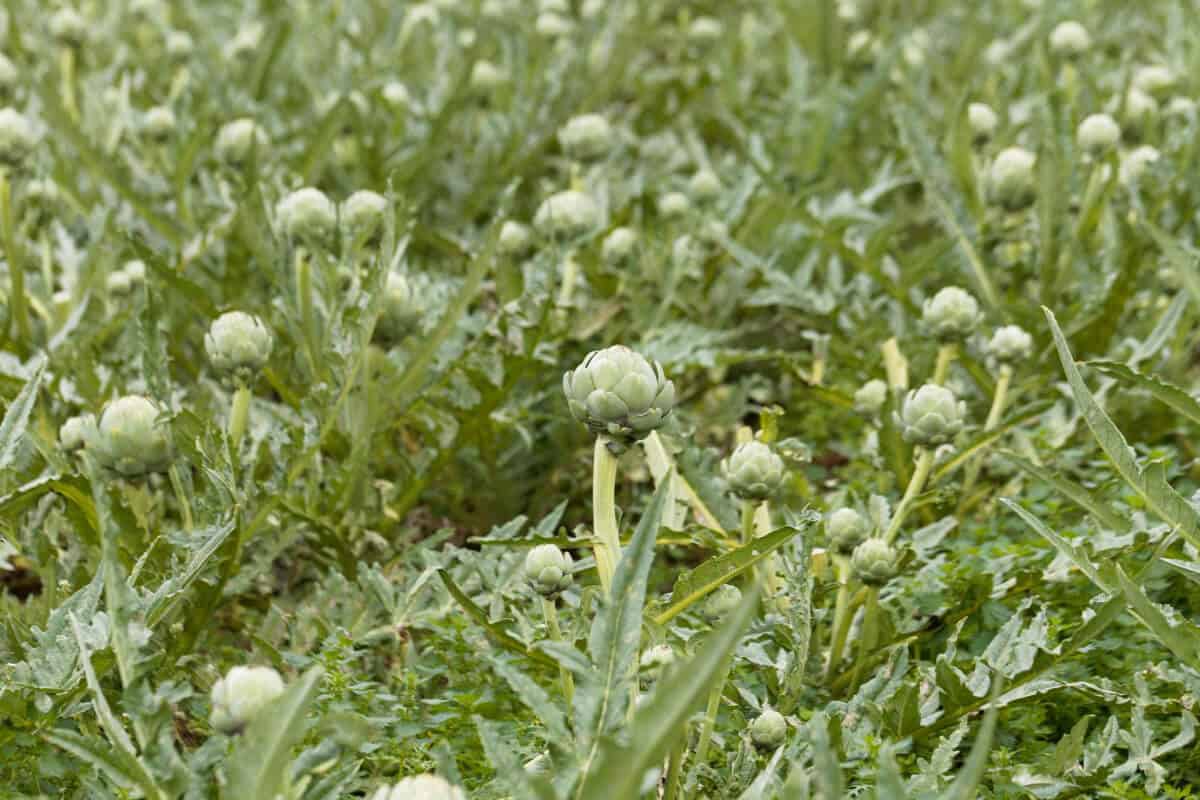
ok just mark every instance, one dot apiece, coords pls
pixel 999 399
pixel 239 414
pixel 604 511
pixel 555 631
pixel 945 357
pixel 870 630
pixel 841 618
pixel 920 475
pixel 18 300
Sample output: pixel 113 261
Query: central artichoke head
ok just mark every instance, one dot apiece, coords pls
pixel 619 393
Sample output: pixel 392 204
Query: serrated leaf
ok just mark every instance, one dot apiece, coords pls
pixel 497 634
pixel 1077 555
pixel 1073 492
pixel 16 417
pixel 692 586
pixel 985 439
pixel 258 766
pixel 971 775
pixel 536 700
pixel 1172 396
pixel 121 767
pixel 497 744
pixel 1183 639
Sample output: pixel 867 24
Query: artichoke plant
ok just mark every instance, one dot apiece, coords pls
pixel 129 441
pixel 846 529
pixel 769 729
pixel 754 471
pixel 239 697
pixel 548 570
pixel 930 416
pixel 951 315
pixel 238 344
pixel 619 393
pixel 874 562
pixel 420 787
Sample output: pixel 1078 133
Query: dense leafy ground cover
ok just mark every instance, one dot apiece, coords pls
pixel 901 511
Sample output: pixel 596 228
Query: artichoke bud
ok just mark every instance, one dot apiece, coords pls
pixel 657 660
pixel 619 393
pixel 362 215
pixel 567 215
pixel 236 140
pixel 307 215
pixel 1011 180
pixel 17 137
pixel 399 315
pixel 870 397
pixel 586 137
pixel 754 471
pixel 721 601
pixel 1010 344
pixel 420 787
pixel 769 729
pixel 238 344
pixel 846 529
pixel 874 562
pixel 241 695
pixel 77 433
pixel 129 441
pixel 930 416
pixel 515 239
pixel 951 315
pixel 548 570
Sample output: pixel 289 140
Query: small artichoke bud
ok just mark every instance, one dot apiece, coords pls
pixel 720 602
pixel 862 48
pixel 1098 132
pixel 515 239
pixel 77 433
pixel 400 313
pixel 68 27
pixel 238 344
pixel 1141 110
pixel 1010 344
pixel 179 45
pixel 486 77
pixel 118 283
pixel 705 31
pixel 307 214
pixel 586 137
pixel 846 529
pixel 874 562
pixel 619 245
pixel 548 570
pixel 421 787
pixel 553 25
pixel 951 315
pixel 159 123
pixel 1135 163
pixel 1069 39
pixel 241 695
pixel 236 140
pixel 930 416
pixel 17 137
pixel 1011 179
pixel 567 215
pixel 870 397
pixel 754 471
pixel 982 121
pixel 1155 80
pixel 129 441
pixel 396 95
pixel 619 393
pixel 135 270
pixel 657 660
pixel 674 205
pixel 705 186
pixel 362 214
pixel 769 729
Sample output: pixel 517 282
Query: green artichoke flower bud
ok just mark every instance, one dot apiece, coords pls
pixel 982 120
pixel 17 137
pixel 118 283
pixel 548 570
pixel 515 239
pixel 241 695
pixel 77 433
pixel 754 471
pixel 846 529
pixel 1097 133
pixel 362 214
pixel 486 77
pixel 657 660
pixel 236 140
pixel 129 441
pixel 705 31
pixel 68 27
pixel 951 315
pixel 1011 180
pixel 619 246
pixel 586 137
pixel 705 186
pixel 870 397
pixel 239 344
pixel 1010 344
pixel 421 787
pixel 619 393
pixel 1141 111
pixel 567 215
pixel 1136 162
pixel 396 95
pixel 135 270
pixel 769 729
pixel 1155 80
pixel 1069 39
pixel 400 313
pixel 179 45
pixel 930 416
pixel 874 562
pixel 720 602
pixel 674 205
pixel 159 123
pixel 307 214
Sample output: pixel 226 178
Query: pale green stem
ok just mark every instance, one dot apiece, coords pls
pixel 675 770
pixel 945 357
pixel 841 617
pixel 747 521
pixel 16 270
pixel 870 628
pixel 67 65
pixel 239 416
pixel 999 398
pixel 570 276
pixel 604 511
pixel 185 506
pixel 710 714
pixel 304 299
pixel 915 485
pixel 568 682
